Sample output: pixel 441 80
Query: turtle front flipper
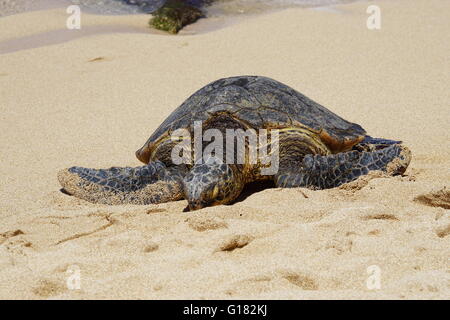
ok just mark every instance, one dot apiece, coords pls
pixel 152 183
pixel 323 172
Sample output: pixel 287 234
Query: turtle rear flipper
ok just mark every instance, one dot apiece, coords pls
pixel 152 183
pixel 323 172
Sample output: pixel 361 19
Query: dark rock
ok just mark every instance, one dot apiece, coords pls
pixel 174 15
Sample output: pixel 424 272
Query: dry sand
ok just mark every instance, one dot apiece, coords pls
pixel 92 98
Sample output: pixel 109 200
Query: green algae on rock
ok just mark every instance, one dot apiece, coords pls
pixel 174 15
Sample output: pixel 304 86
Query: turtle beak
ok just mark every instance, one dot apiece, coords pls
pixel 194 205
pixel 195 196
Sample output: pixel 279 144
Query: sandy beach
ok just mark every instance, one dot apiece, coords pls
pixel 92 97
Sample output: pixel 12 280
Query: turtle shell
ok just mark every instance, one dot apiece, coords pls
pixel 262 103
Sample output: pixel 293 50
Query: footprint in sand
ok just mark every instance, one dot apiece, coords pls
pixel 14 242
pixel 443 231
pixel 272 281
pixel 9 234
pixel 439 198
pixel 46 288
pixel 234 242
pixel 155 210
pixel 201 223
pixel 305 282
pixel 374 232
pixel 380 216
pixel 339 245
pixel 98 59
pixel 150 247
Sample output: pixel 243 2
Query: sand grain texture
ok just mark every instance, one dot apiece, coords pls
pixel 92 98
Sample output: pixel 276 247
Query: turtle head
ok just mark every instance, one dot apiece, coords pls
pixel 209 184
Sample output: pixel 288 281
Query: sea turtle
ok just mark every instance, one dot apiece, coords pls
pixel 316 149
